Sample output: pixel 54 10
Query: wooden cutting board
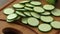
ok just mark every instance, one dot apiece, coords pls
pixel 23 29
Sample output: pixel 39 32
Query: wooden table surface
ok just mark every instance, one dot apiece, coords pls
pixel 25 29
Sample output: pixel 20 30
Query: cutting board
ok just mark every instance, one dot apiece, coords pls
pixel 20 28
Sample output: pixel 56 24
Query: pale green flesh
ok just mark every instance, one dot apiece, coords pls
pixel 9 20
pixel 26 1
pixel 33 21
pixel 28 8
pixel 18 17
pixel 48 7
pixel 20 13
pixel 35 3
pixel 12 16
pixel 56 12
pixel 39 9
pixel 46 13
pixel 8 11
pixel 24 20
pixel 29 5
pixel 46 18
pixel 20 9
pixel 44 27
pixel 27 13
pixel 55 24
pixel 18 6
pixel 36 15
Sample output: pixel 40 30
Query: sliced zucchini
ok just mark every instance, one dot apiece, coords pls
pixel 8 11
pixel 38 9
pixel 55 24
pixel 27 8
pixel 56 12
pixel 18 18
pixel 18 6
pixel 27 13
pixel 23 2
pixel 12 16
pixel 44 27
pixel 24 20
pixel 9 20
pixel 35 3
pixel 20 9
pixel 33 21
pixel 48 7
pixel 20 13
pixel 46 18
pixel 29 5
pixel 46 13
pixel 34 14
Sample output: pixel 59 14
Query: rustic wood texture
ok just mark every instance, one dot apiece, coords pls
pixel 5 3
pixel 22 27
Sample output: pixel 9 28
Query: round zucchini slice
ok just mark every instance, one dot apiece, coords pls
pixel 12 16
pixel 44 27
pixel 56 12
pixel 20 13
pixel 38 9
pixel 24 20
pixel 35 3
pixel 46 13
pixel 18 6
pixel 8 11
pixel 20 9
pixel 33 21
pixel 9 20
pixel 27 8
pixel 55 24
pixel 46 18
pixel 23 2
pixel 36 15
pixel 48 7
pixel 18 18
pixel 27 13
pixel 29 5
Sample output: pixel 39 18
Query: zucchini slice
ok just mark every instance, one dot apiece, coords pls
pixel 38 9
pixel 48 7
pixel 27 8
pixel 8 11
pixel 44 27
pixel 24 20
pixel 20 9
pixel 35 3
pixel 27 13
pixel 33 21
pixel 9 20
pixel 36 15
pixel 29 5
pixel 23 2
pixel 18 6
pixel 56 12
pixel 46 13
pixel 12 16
pixel 18 18
pixel 55 24
pixel 46 18
pixel 20 13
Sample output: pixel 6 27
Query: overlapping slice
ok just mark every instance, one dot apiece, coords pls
pixel 44 27
pixel 33 21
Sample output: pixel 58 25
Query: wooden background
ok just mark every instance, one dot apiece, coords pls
pixel 25 29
